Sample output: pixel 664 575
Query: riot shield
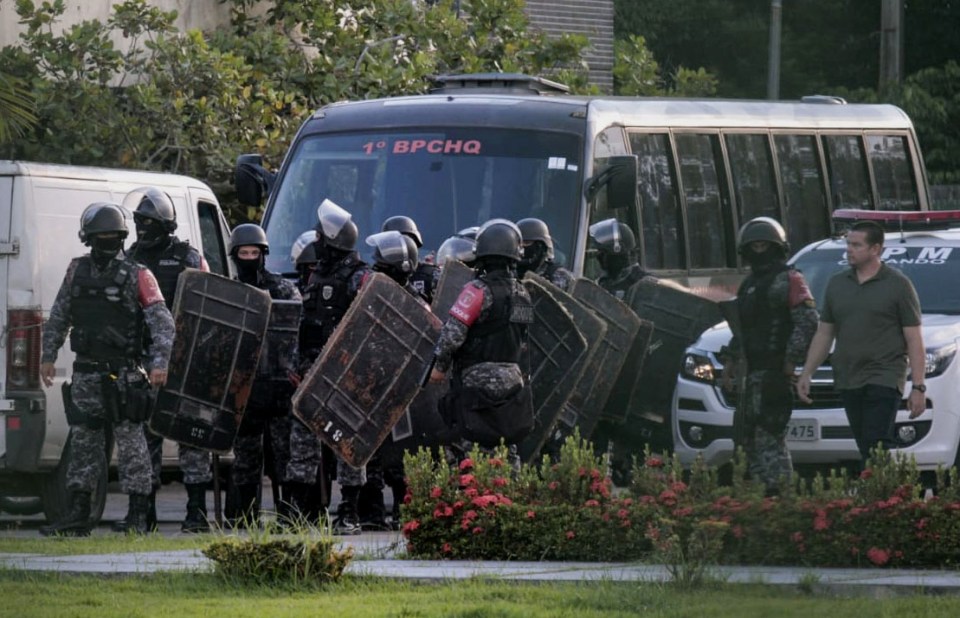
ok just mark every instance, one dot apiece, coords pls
pixel 590 395
pixel 369 370
pixel 679 318
pixel 620 401
pixel 453 277
pixel 558 354
pixel 220 325
pixel 278 356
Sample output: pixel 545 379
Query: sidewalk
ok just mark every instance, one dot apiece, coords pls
pixel 376 555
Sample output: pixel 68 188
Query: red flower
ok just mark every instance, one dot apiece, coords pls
pixel 436 492
pixel 622 513
pixel 466 480
pixel 504 500
pixel 407 499
pixel 470 515
pixel 458 504
pixel 482 502
pixel 571 534
pixel 495 462
pixel 582 472
pixel 594 473
pixel 683 512
pixel 797 537
pixel 553 485
pixel 820 522
pixel 446 548
pixel 627 501
pixel 466 464
pixel 409 527
pixel 531 514
pixel 867 473
pixel 470 492
pixel 499 481
pixel 654 462
pixel 678 486
pixel 668 497
pixel 591 503
pixel 878 556
pixel 737 532
pixel 443 510
pixel 478 530
pixel 625 523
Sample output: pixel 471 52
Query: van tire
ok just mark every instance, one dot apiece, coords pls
pixel 56 498
pixel 21 505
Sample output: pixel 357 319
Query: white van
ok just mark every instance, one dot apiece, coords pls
pixel 40 207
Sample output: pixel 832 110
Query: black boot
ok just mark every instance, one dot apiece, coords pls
pixel 76 521
pixel 124 524
pixel 139 514
pixel 371 508
pixel 348 522
pixel 399 493
pixel 248 507
pixel 196 520
pixel 296 504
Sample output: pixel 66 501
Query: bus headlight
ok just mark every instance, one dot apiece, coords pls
pixel 699 367
pixel 938 359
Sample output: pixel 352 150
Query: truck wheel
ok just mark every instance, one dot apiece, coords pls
pixel 21 505
pixel 55 496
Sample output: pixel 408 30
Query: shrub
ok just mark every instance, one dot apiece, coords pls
pixel 272 559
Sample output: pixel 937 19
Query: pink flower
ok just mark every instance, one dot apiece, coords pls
pixel 654 462
pixel 470 492
pixel 591 503
pixel 409 527
pixel 531 514
pixel 553 485
pixel 466 464
pixel 436 492
pixel 878 556
pixel 622 513
pixel 668 497
pixel 466 480
pixel 627 501
pixel 683 512
pixel 443 510
pixel 458 504
pixel 737 532
pixel 446 548
pixel 499 481
pixel 678 486
pixel 797 537
pixel 477 530
pixel 495 462
pixel 867 473
pixel 482 502
pixel 571 534
pixel 582 472
pixel 594 473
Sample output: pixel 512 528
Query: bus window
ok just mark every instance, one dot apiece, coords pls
pixel 707 203
pixel 754 181
pixel 847 165
pixel 896 188
pixel 807 218
pixel 662 226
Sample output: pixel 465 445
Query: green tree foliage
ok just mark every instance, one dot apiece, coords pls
pixel 190 102
pixel 636 73
pixel 16 108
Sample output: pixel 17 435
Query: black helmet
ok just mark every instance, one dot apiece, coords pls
pixel 335 226
pixel 499 238
pixel 248 234
pixel 303 250
pixel 762 228
pixel 152 203
pixel 102 218
pixel 469 232
pixel 457 248
pixel 536 230
pixel 611 236
pixel 394 249
pixel 404 225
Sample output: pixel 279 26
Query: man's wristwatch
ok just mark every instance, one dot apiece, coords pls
pixel 920 387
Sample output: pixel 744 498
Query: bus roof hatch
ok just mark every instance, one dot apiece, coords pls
pixel 496 83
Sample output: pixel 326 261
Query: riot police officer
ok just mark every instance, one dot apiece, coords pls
pixel 268 412
pixel 616 248
pixel 104 303
pixel 303 254
pixel 484 342
pixel 334 284
pixel 167 256
pixel 538 254
pixel 777 321
pixel 422 278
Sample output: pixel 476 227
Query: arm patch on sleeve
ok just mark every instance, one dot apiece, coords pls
pixel 468 305
pixel 799 291
pixel 148 292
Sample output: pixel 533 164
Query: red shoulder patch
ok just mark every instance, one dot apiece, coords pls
pixel 799 291
pixel 468 305
pixel 204 267
pixel 148 292
pixel 363 279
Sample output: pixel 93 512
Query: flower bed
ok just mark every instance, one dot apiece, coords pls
pixel 569 511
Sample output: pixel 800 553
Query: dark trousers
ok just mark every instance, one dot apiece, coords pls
pixel 872 412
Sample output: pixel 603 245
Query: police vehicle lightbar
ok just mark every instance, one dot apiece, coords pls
pixel 901 220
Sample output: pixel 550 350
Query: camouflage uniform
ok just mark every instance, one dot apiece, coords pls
pixel 424 280
pixel 462 338
pixel 778 319
pixel 139 296
pixel 556 274
pixel 166 261
pixel 623 280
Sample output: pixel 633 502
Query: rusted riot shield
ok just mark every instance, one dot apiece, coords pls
pixel 220 325
pixel 453 277
pixel 369 371
pixel 590 395
pixel 620 401
pixel 558 355
pixel 278 357
pixel 679 318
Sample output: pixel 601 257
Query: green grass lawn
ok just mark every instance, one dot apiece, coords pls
pixel 101 544
pixel 186 595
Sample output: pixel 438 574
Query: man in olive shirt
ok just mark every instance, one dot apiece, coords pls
pixel 873 312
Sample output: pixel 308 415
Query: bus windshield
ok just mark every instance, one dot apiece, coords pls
pixel 445 179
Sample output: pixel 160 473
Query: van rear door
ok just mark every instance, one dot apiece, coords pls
pixel 7 249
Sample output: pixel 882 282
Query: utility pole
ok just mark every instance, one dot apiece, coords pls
pixel 891 42
pixel 773 58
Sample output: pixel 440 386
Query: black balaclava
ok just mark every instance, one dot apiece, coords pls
pixel 393 272
pixel 613 263
pixel 248 271
pixel 327 256
pixel 763 261
pixel 150 233
pixel 533 257
pixel 102 250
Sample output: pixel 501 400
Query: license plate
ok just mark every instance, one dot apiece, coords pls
pixel 805 430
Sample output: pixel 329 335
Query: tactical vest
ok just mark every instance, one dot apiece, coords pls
pixel 500 336
pixel 422 280
pixel 165 264
pixel 765 321
pixel 104 326
pixel 626 278
pixel 326 299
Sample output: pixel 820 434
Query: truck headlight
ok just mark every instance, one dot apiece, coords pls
pixel 699 367
pixel 938 359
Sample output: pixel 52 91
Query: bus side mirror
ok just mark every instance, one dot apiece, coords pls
pixel 251 180
pixel 619 175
